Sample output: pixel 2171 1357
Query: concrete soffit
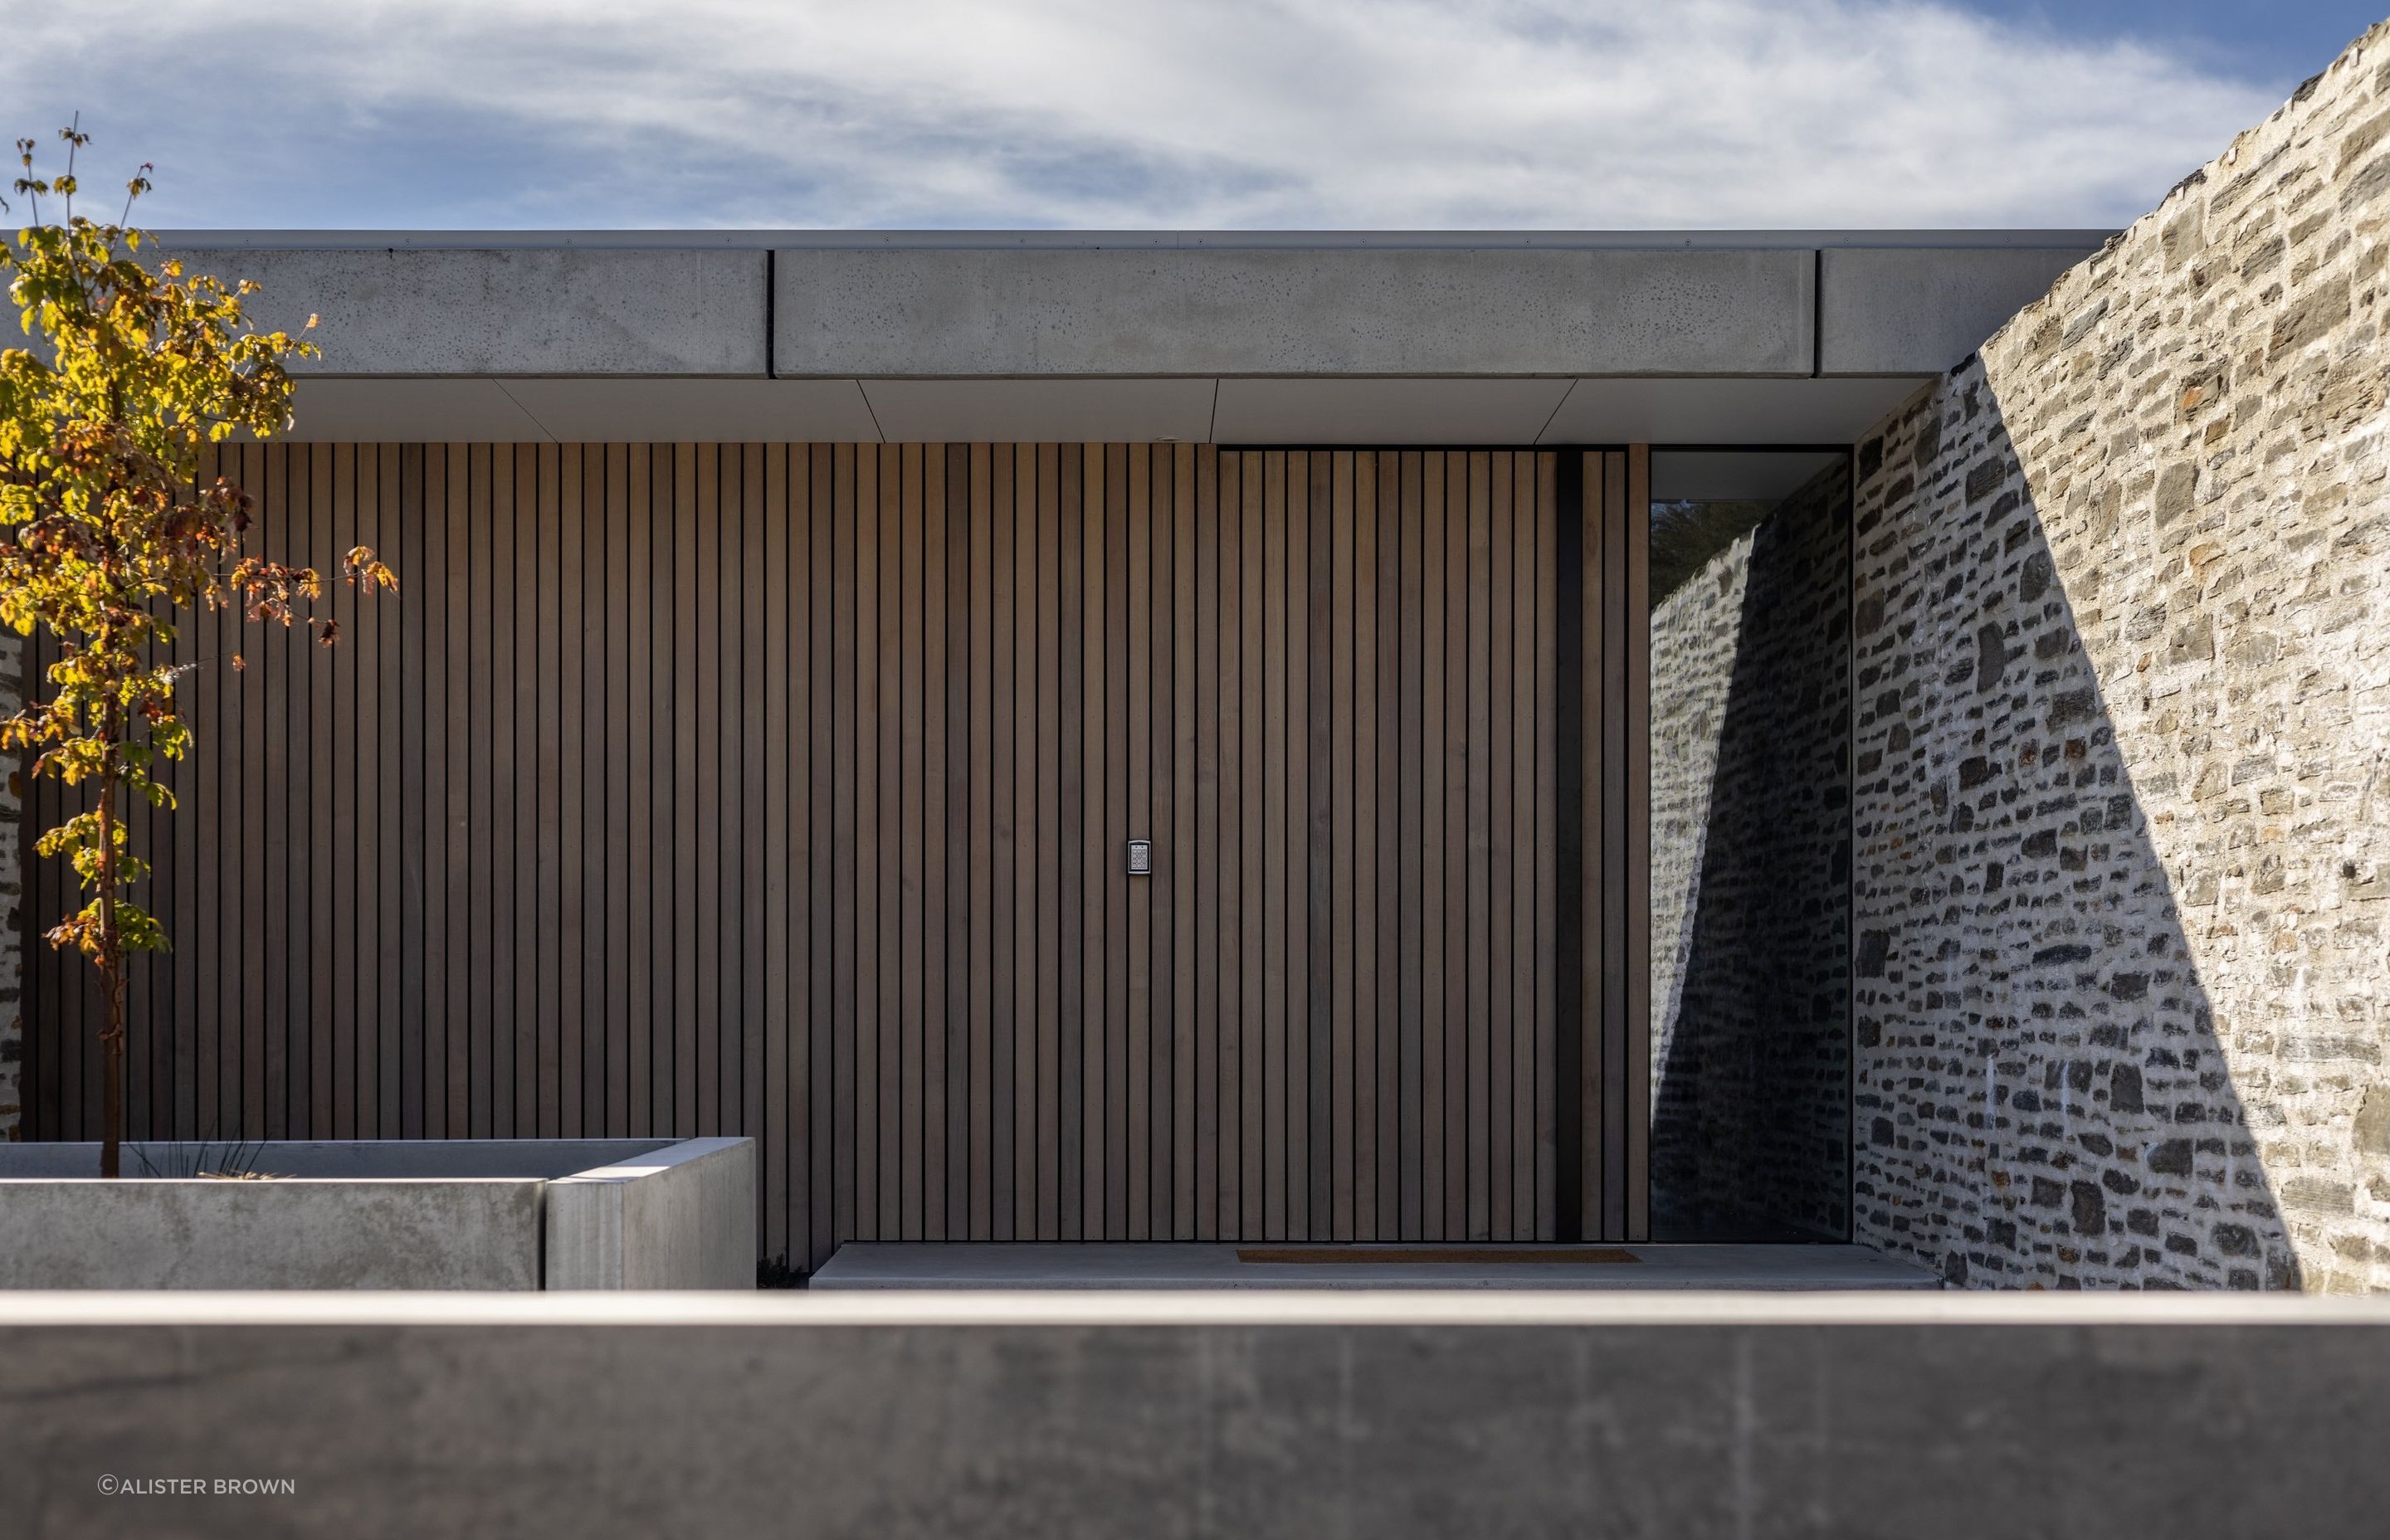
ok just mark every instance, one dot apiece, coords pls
pixel 1199 410
pixel 1741 337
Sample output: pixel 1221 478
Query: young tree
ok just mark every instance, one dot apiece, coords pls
pixel 106 533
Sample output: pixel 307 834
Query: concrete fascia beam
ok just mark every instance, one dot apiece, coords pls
pixel 1050 305
pixel 944 313
pixel 511 310
pixel 1915 310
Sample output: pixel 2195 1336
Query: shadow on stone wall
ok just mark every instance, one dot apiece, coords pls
pixel 1751 803
pixel 2041 1099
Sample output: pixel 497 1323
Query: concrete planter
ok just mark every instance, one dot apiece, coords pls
pixel 387 1214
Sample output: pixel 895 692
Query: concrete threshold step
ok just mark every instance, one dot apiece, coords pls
pixel 1141 1265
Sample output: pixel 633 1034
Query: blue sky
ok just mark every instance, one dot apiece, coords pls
pixel 2278 43
pixel 1348 114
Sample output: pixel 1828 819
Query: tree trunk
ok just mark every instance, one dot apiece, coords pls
pixel 113 1124
pixel 111 956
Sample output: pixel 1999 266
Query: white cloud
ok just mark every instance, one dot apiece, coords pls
pixel 1236 113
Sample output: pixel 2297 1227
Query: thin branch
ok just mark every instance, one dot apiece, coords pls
pixel 133 189
pixel 73 137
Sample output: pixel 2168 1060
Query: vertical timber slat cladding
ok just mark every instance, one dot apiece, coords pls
pixel 786 790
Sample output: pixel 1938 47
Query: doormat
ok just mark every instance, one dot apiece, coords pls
pixel 1435 1255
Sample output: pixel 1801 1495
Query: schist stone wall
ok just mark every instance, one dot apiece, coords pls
pixel 1750 889
pixel 2122 813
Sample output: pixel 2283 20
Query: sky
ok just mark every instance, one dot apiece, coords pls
pixel 1130 114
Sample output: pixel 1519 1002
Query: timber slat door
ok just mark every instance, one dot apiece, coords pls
pixel 786 790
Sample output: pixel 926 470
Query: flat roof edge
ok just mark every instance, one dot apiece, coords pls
pixel 1091 240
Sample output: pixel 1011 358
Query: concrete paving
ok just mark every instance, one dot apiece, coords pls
pixel 1128 1265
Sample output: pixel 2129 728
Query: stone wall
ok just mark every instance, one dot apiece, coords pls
pixel 1750 886
pixel 2122 751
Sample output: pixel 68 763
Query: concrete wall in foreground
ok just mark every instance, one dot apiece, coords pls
pixel 2122 736
pixel 1195 1416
